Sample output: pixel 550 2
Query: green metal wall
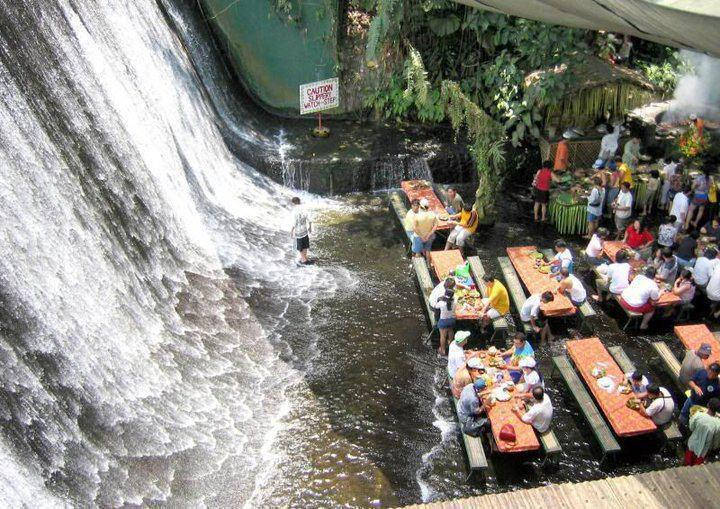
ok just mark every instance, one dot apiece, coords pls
pixel 273 56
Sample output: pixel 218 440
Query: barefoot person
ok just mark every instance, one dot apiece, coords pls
pixel 463 229
pixel 301 229
pixel 424 225
pixel 497 303
pixel 446 304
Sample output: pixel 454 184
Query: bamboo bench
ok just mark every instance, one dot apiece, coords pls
pixel 397 204
pixel 477 461
pixel 422 275
pixel 517 294
pixel 586 309
pixel 669 430
pixel 500 324
pixel 599 427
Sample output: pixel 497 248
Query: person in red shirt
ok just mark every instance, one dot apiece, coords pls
pixel 541 190
pixel 638 236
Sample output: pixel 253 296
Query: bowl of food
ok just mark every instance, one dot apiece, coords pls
pixel 633 403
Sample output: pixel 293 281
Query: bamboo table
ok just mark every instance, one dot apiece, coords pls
pixel 568 214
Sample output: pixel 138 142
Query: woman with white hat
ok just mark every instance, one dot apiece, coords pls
pixel 456 352
pixel 530 378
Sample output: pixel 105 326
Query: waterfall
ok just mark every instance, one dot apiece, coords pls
pixel 134 370
pixel 388 173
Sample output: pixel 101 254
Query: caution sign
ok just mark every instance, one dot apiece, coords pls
pixel 319 96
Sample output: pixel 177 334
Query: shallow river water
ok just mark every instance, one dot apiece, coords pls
pixel 378 427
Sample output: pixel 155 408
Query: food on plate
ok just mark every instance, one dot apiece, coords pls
pixel 633 403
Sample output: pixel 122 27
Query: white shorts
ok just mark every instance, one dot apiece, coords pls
pixel 458 236
pixel 492 313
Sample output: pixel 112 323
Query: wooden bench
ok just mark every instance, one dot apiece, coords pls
pixel 669 362
pixel 397 204
pixel 473 446
pixel 586 309
pixel 515 289
pixel 422 275
pixel 550 445
pixel 631 315
pixel 500 324
pixel 599 427
pixel 669 430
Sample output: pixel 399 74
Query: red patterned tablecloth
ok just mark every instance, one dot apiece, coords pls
pixel 443 262
pixel 692 336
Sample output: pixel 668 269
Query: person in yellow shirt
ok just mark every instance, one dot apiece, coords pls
pixel 424 225
pixel 497 303
pixel 463 229
pixel 625 173
pixel 410 216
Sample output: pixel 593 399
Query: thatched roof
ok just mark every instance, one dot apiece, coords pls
pixel 594 73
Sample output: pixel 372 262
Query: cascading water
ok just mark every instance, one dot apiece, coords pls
pixel 134 371
pixel 388 173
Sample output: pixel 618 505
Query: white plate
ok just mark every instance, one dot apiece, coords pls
pixel 606 383
pixel 501 394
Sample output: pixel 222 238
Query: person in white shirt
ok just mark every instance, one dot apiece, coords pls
pixel 638 383
pixel 667 232
pixel 712 290
pixel 623 208
pixel 661 406
pixel 572 288
pixel 641 296
pixel 540 413
pixel 563 257
pixel 301 230
pixel 704 267
pixel 411 215
pixel 440 289
pixel 530 312
pixel 680 206
pixel 529 380
pixel 667 172
pixel 615 277
pixel 608 147
pixel 456 352
pixel 594 249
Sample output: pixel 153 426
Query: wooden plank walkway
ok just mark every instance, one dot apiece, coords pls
pixel 670 431
pixel 687 487
pixel 515 289
pixel 426 286
pixel 599 427
pixel 500 325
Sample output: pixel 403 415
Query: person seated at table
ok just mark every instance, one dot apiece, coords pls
pixel 638 237
pixel 521 348
pixel 594 249
pixel 540 413
pixel 712 291
pixel 660 405
pixel 712 229
pixel 563 258
pixel 424 225
pixel 638 383
pixel 448 284
pixel 641 296
pixel 530 312
pixel 685 252
pixel 462 276
pixel 572 288
pixel 684 286
pixel 703 386
pixel 456 352
pixel 471 408
pixel 667 232
pixel 467 374
pixel 666 265
pixel 497 303
pixel 455 201
pixel 529 378
pixel 411 215
pixel 614 277
pixel 704 434
pixel 653 184
pixel 704 267
pixel 693 363
pixel 466 227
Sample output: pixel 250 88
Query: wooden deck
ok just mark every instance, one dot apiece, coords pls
pixel 687 487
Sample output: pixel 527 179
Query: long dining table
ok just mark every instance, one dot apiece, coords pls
pixel 419 189
pixel 590 353
pixel 470 301
pixel 539 282
pixel 692 336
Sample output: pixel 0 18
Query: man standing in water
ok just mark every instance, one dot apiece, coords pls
pixel 301 229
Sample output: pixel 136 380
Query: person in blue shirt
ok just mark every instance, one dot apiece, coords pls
pixel 521 348
pixel 471 408
pixel 704 385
